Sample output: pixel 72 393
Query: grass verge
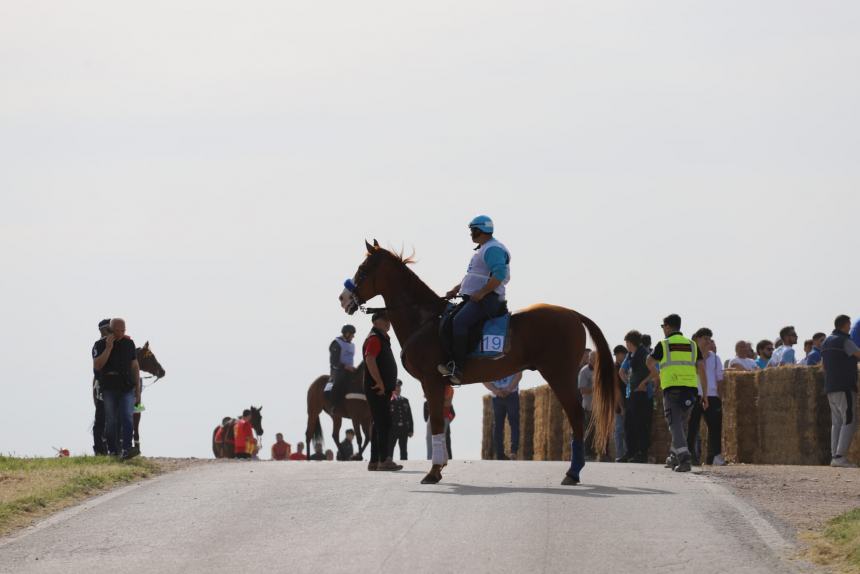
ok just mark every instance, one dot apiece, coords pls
pixel 838 545
pixel 31 488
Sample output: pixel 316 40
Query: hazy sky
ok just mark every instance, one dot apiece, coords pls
pixel 210 170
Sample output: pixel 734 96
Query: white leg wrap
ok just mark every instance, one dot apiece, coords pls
pixel 440 451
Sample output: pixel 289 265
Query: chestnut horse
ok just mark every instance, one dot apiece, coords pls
pixel 349 408
pixel 545 338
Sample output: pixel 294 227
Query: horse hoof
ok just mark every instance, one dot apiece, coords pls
pixel 434 476
pixel 569 481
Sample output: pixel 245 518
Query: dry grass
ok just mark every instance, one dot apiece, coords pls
pixel 838 546
pixel 31 488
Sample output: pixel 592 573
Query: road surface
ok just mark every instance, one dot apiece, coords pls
pixel 486 516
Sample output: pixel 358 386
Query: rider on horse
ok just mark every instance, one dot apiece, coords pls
pixel 483 292
pixel 341 360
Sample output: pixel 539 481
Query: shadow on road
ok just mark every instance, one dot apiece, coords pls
pixel 589 491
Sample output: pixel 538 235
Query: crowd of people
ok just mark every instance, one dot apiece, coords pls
pixel 689 372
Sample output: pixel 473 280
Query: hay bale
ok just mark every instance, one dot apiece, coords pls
pixel 740 400
pixel 540 440
pixel 557 418
pixel 790 414
pixel 487 431
pixel 854 451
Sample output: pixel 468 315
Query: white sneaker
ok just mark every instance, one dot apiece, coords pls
pixel 719 460
pixel 842 462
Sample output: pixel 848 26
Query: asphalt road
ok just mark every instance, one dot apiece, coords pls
pixel 485 516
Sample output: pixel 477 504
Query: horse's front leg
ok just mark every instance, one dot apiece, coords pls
pixel 435 400
pixel 335 433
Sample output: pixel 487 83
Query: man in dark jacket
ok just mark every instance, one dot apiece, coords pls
pixel 99 442
pixel 401 421
pixel 380 378
pixel 115 360
pixel 839 356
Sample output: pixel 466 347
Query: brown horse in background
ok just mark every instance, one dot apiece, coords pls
pixel 148 364
pixel 353 406
pixel 225 449
pixel 545 338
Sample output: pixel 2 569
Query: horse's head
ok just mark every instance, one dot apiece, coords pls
pixel 148 363
pixel 369 279
pixel 257 419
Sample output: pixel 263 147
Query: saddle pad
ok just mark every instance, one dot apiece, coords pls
pixel 494 339
pixel 356 396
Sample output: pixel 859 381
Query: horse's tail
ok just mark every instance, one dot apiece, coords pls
pixel 605 388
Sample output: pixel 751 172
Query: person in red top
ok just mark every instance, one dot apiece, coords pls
pixel 244 444
pixel 281 450
pixel 299 454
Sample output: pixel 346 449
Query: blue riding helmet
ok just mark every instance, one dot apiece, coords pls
pixel 482 223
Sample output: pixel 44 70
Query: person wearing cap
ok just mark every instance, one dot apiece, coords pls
pixel 402 426
pixel 380 378
pixel 341 359
pixel 682 365
pixel 99 442
pixel 482 290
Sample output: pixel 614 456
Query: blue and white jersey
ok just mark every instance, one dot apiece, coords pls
pixel 492 259
pixel 347 352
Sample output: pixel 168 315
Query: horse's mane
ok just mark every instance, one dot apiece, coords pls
pixel 413 282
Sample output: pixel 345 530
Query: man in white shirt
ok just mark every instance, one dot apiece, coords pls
pixel 744 359
pixel 713 414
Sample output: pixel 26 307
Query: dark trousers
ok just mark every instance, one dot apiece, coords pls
pixel 640 409
pixel 99 442
pixel 714 420
pixel 509 407
pixel 399 436
pixel 472 313
pixel 380 434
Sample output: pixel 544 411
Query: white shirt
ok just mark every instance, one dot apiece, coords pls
pixel 745 364
pixel 714 372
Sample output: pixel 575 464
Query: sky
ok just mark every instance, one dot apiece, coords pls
pixel 209 171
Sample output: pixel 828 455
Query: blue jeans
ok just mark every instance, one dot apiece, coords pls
pixel 119 420
pixel 508 406
pixel 472 313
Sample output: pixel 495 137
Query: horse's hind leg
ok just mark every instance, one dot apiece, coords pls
pixel 564 386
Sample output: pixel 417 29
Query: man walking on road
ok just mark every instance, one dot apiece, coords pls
pixel 839 356
pixel 681 361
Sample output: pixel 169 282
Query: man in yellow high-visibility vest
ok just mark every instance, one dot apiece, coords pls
pixel 681 363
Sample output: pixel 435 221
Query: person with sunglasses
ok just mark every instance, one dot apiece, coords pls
pixel 483 292
pixel 784 354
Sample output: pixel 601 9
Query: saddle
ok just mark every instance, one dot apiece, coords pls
pixel 488 340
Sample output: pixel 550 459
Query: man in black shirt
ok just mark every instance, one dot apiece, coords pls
pixel 115 361
pixel 640 403
pixel 344 449
pixel 401 421
pixel 99 441
pixel 380 378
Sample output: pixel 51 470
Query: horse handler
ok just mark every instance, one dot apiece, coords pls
pixel 380 378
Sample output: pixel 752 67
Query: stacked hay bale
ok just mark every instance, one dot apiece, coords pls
pixel 740 403
pixel 548 425
pixel 792 408
pixel 487 432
